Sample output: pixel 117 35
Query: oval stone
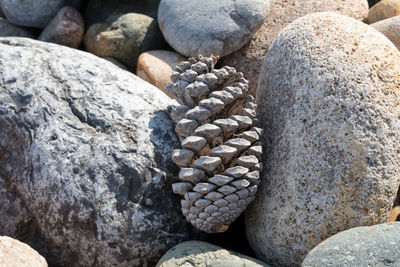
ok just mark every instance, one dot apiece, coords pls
pixel 328 99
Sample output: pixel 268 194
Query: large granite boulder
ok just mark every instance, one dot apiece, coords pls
pixel 203 254
pixel 329 98
pixel 376 245
pixel 85 169
pixel 250 57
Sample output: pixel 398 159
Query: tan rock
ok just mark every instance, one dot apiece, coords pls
pixel 156 67
pixel 390 28
pixel 14 253
pixel 202 254
pixel 394 214
pixel 249 58
pixel 383 10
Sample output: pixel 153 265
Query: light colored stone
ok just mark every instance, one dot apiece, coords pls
pixel 85 158
pixel 124 37
pixel 376 245
pixel 383 10
pixel 14 253
pixel 202 254
pixel 156 67
pixel 329 98
pixel 9 29
pixel 390 28
pixel 207 28
pixel 250 57
pixel 66 28
pixel 34 13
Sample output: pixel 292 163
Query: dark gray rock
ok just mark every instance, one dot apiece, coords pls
pixel 210 27
pixel 9 29
pixel 34 13
pixel 85 169
pixel 377 245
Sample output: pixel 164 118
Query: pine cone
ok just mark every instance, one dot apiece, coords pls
pixel 220 155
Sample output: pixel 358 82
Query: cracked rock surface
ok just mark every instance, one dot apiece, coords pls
pixel 201 27
pixel 328 99
pixel 85 165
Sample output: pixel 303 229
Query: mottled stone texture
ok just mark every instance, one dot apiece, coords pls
pixel 207 28
pixel 383 10
pixel 376 245
pixel 34 13
pixel 85 152
pixel 250 57
pixel 14 253
pixel 202 254
pixel 329 103
pixel 390 28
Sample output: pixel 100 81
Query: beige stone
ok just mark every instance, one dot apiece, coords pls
pixel 329 99
pixel 14 253
pixel 156 67
pixel 202 254
pixel 390 28
pixel 394 214
pixel 249 58
pixel 383 10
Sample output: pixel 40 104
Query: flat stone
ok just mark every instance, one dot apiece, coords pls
pixel 34 13
pixel 124 37
pixel 200 253
pixel 16 253
pixel 85 152
pixel 390 28
pixel 201 28
pixel 376 245
pixel 383 10
pixel 332 131
pixel 250 57
pixel 156 67
pixel 66 28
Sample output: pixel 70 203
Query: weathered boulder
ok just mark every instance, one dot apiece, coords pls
pixel 124 38
pixel 202 254
pixel 15 253
pixel 376 245
pixel 34 13
pixel 250 57
pixel 383 10
pixel 85 151
pixel 207 28
pixel 328 97
pixel 390 28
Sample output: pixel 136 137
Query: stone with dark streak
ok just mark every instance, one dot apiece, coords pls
pixel 85 149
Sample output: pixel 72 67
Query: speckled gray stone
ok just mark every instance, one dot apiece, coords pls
pixel 201 27
pixel 202 254
pixel 377 245
pixel 85 159
pixel 34 13
pixel 329 98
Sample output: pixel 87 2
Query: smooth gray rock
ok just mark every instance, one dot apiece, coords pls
pixel 329 99
pixel 202 254
pixel 85 159
pixel 377 245
pixel 34 13
pixel 207 28
pixel 9 29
